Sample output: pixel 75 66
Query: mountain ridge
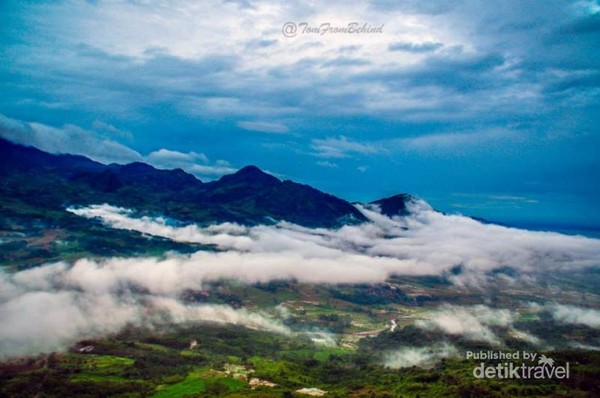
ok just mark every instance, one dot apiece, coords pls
pixel 248 196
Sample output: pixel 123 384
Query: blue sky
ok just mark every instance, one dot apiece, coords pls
pixel 487 108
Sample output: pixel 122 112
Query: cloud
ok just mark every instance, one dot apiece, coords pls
pixel 500 198
pixel 415 47
pixel 342 147
pixel 325 163
pixel 92 297
pixel 471 322
pixel 192 162
pixel 515 68
pixel 470 201
pixel 210 172
pixel 424 243
pixel 95 145
pixel 264 127
pixel 475 323
pixel 68 139
pixel 255 74
pixel 423 357
pixel 50 308
pixel 503 57
pixel 447 143
pixel 570 314
pixel 458 141
pixel 166 158
pixel 110 130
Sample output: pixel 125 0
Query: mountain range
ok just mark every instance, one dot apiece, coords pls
pixel 250 196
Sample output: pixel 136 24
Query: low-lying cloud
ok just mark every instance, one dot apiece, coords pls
pixel 423 357
pixel 50 308
pixel 573 315
pixel 474 323
pixel 424 243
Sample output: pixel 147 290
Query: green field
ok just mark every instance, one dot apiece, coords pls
pixel 138 363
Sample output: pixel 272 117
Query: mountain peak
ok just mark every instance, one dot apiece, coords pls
pixel 394 205
pixel 137 167
pixel 250 169
pixel 250 175
pixel 137 173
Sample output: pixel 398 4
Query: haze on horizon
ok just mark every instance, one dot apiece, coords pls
pixel 489 109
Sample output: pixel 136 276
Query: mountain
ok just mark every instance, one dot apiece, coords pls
pixel 249 196
pixel 394 205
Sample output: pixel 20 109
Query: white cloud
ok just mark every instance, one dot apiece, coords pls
pixel 210 172
pixel 457 141
pixel 570 314
pixel 52 307
pixel 264 127
pixel 93 297
pixel 425 243
pixel 197 164
pixel 471 322
pixel 95 145
pixel 68 139
pixel 327 164
pixel 110 130
pixel 167 158
pixel 415 47
pixel 423 357
pixel 475 323
pixel 342 147
pixel 264 74
pixel 188 31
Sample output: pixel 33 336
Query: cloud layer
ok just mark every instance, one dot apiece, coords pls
pixel 425 243
pixel 573 315
pixel 52 306
pixel 474 323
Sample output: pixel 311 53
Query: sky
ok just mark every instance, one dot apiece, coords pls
pixel 484 108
